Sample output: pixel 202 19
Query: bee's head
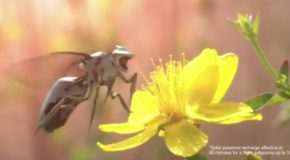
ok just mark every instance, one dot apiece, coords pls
pixel 121 56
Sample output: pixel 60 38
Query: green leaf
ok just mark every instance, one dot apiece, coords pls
pixel 284 70
pixel 259 101
pixel 278 98
pixel 267 99
pixel 197 156
pixel 283 77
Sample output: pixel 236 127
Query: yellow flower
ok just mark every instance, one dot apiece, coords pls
pixel 181 97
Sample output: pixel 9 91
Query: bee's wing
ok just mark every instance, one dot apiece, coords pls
pixel 41 72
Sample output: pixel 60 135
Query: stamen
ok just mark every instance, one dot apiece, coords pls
pixel 170 57
pixel 160 63
pixel 183 58
pixel 144 77
pixel 143 86
pixel 152 62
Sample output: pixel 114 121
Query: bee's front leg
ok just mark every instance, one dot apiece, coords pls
pixel 118 95
pixel 132 80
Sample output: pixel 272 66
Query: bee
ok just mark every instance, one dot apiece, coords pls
pixel 99 69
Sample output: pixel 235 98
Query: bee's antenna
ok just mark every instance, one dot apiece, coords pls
pixel 87 56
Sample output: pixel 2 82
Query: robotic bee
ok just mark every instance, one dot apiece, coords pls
pixel 100 69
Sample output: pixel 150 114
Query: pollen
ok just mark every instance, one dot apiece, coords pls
pixel 167 85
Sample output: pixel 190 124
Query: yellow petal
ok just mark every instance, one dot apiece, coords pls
pixel 122 128
pixel 132 142
pixel 227 69
pixel 203 87
pixel 201 77
pixel 184 139
pixel 242 118
pixel 144 107
pixel 138 139
pixel 224 113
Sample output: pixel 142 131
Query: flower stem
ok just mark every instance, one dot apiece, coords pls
pixel 260 54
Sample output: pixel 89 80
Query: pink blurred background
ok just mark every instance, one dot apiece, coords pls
pixel 151 29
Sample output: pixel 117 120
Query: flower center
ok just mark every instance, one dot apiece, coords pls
pixel 168 87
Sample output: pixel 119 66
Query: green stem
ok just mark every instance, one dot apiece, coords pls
pixel 259 52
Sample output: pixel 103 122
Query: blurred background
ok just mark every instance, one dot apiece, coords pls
pixel 150 29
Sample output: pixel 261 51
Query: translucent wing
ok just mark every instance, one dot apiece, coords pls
pixel 41 72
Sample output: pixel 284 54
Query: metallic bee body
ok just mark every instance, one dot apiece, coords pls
pixel 100 69
pixel 61 101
